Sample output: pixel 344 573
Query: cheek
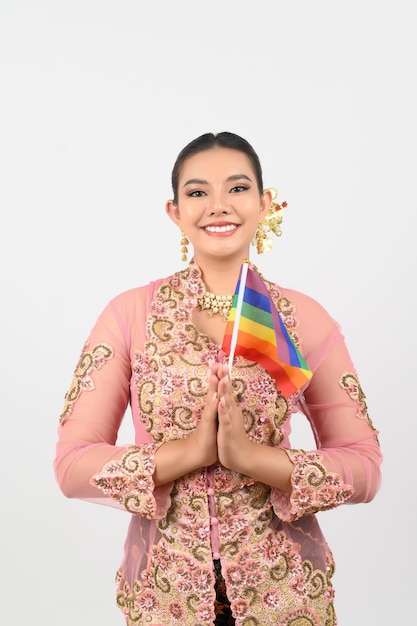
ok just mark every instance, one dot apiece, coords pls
pixel 187 216
pixel 254 212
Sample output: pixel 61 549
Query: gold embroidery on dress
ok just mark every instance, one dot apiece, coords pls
pixel 170 376
pixel 315 580
pixel 285 308
pixel 89 360
pixel 349 382
pixel 171 372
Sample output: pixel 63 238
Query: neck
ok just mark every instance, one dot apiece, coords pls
pixel 220 275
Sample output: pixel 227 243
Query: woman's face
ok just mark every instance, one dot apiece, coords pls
pixel 219 203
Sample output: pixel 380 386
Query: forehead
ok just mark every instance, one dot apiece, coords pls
pixel 217 164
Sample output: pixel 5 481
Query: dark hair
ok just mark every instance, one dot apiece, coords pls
pixel 208 141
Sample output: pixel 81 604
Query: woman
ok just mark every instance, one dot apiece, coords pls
pixel 223 527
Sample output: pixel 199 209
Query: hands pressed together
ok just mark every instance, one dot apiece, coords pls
pixel 220 434
pixel 220 437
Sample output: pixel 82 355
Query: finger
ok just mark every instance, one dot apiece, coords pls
pixel 225 403
pixel 221 356
pixel 225 384
pixel 212 399
pixel 222 386
pixel 215 369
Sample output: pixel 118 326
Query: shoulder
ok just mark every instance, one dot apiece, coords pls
pixel 294 300
pixel 137 295
pixel 304 304
pixel 132 304
pixel 130 296
pixel 306 317
pixel 124 316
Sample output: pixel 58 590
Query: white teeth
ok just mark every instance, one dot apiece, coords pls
pixel 221 229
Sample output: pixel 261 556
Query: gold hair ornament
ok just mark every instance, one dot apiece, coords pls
pixel 184 243
pixel 270 223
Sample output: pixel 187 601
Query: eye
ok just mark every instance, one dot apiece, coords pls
pixel 197 193
pixel 239 188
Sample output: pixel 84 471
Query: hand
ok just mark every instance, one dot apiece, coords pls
pixel 233 443
pixel 203 441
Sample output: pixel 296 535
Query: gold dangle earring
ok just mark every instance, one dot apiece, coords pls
pixel 270 223
pixel 184 243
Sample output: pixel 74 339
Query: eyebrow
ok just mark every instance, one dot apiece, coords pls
pixel 201 181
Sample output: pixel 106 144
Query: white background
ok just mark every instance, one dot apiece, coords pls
pixel 97 97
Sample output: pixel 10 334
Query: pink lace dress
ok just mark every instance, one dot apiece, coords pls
pixel 145 351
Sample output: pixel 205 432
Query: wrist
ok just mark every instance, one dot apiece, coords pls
pixel 268 465
pixel 190 453
pixel 173 459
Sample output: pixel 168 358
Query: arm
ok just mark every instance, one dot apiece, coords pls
pixel 88 464
pixel 345 467
pixel 336 407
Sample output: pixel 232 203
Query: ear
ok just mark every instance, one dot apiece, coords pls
pixel 171 210
pixel 266 201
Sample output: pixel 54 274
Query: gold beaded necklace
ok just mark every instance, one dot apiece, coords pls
pixel 215 304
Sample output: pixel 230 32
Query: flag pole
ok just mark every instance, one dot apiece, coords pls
pixel 242 284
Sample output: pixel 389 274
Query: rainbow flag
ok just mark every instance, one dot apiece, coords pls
pixel 256 331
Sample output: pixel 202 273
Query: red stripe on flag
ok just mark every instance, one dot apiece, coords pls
pixel 246 342
pixel 288 378
pixel 273 351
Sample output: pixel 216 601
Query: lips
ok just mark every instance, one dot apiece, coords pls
pixel 223 228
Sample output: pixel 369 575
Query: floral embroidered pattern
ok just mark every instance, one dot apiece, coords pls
pixel 349 382
pixel 276 565
pixel 284 590
pixel 188 584
pixel 176 358
pixel 129 481
pixel 82 381
pixel 302 617
pixel 286 309
pixel 313 489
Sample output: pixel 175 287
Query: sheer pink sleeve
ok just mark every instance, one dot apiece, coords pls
pixel 345 467
pixel 88 464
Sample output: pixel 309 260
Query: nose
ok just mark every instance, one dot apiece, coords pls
pixel 218 205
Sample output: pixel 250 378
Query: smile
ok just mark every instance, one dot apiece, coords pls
pixel 221 229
